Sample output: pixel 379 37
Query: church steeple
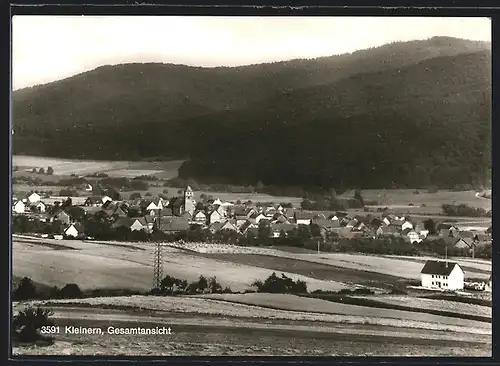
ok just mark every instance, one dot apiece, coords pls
pixel 189 202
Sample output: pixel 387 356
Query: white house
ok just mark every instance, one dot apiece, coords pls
pixel 73 230
pixel 442 275
pixel 414 236
pixel 41 207
pixel 487 286
pixel 33 197
pixel 215 216
pixel 18 207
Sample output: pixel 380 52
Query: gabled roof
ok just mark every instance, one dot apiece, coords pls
pixel 466 234
pixel 325 223
pixel 482 237
pixel 94 199
pixel 174 224
pixel 441 268
pixel 198 212
pixel 284 227
pixel 124 221
pixel 304 215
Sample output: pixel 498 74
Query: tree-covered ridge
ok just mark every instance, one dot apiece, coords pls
pixel 404 114
pixel 427 123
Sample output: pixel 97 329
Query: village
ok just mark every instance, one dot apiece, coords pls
pixel 243 223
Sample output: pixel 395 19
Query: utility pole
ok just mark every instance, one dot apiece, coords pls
pixel 157 266
pixel 318 246
pixel 158 259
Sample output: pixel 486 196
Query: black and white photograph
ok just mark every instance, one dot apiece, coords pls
pixel 251 186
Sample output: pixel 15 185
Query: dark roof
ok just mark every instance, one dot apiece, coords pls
pixel 174 224
pixel 94 199
pixel 284 227
pixel 123 221
pixel 438 267
pixel 304 215
pixel 326 223
pixel 466 234
pixel 176 202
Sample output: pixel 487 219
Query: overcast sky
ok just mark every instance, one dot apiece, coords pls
pixel 48 48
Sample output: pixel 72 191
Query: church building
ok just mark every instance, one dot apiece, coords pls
pixel 185 203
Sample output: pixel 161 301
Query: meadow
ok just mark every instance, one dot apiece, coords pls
pixel 130 169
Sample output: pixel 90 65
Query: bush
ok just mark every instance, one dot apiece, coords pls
pixel 26 290
pixel 280 285
pixel 70 291
pixel 28 322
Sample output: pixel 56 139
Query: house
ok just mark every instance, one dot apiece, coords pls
pixel 247 226
pixel 174 224
pixel 488 287
pixel 33 197
pixel 442 275
pixel 413 236
pixel 75 230
pixel 96 201
pixel 326 224
pixel 256 218
pixel 280 219
pixel 466 234
pixel 228 225
pixel 481 238
pixel 386 221
pixel 179 205
pixel 387 231
pixel 289 213
pixel 61 216
pixel 214 216
pixel 303 217
pixel 489 230
pixel 351 223
pixel 280 230
pixel 130 223
pixel 41 207
pixel 270 211
pixel 448 232
pixel 18 207
pixel 199 217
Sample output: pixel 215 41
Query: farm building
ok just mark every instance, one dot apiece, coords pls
pixel 74 230
pixel 33 197
pixel 442 275
pixel 303 218
pixel 18 207
pixel 96 201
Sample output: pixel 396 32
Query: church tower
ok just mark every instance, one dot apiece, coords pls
pixel 189 202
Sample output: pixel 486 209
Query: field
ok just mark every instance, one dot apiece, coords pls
pixel 165 170
pixel 241 324
pixel 345 267
pixel 94 265
pixel 196 333
pixel 401 198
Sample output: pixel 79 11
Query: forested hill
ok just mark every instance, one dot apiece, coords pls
pixel 413 126
pixel 377 117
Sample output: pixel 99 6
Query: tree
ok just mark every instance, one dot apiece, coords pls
pixel 148 194
pixel 259 186
pixel 76 213
pixel 26 290
pixel 214 286
pixel 67 203
pixel 359 197
pixel 135 196
pixel 70 291
pixel 430 225
pixel 33 170
pixel 41 171
pixel 50 171
pixel 28 322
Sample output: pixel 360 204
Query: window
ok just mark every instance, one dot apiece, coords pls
pixel 433 277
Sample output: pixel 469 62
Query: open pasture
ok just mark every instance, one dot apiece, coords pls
pixel 403 197
pixel 98 265
pixel 312 305
pixel 381 270
pixel 350 314
pixel 440 305
pixel 215 335
pixel 129 169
